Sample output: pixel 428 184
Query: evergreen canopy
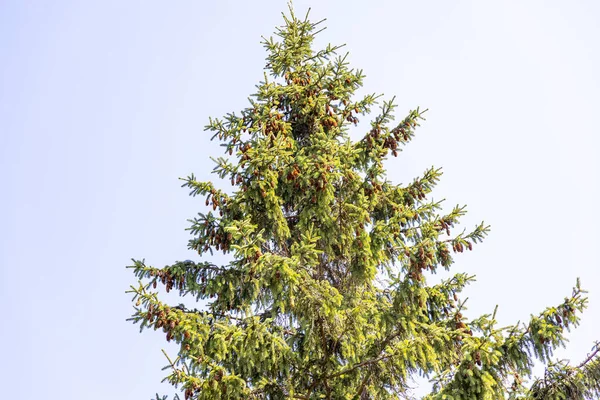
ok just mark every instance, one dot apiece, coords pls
pixel 325 295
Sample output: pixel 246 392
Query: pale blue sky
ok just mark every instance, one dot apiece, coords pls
pixel 102 105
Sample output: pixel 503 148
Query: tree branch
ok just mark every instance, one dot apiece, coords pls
pixel 590 356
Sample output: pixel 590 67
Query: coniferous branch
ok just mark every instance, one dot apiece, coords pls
pixel 581 382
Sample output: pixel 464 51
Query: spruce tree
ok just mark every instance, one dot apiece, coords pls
pixel 325 293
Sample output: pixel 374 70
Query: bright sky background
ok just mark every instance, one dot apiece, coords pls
pixel 102 108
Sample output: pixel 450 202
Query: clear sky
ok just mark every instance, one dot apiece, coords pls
pixel 102 108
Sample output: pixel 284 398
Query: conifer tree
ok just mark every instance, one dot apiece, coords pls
pixel 325 294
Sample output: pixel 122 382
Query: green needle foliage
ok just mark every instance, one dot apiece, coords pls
pixel 325 293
